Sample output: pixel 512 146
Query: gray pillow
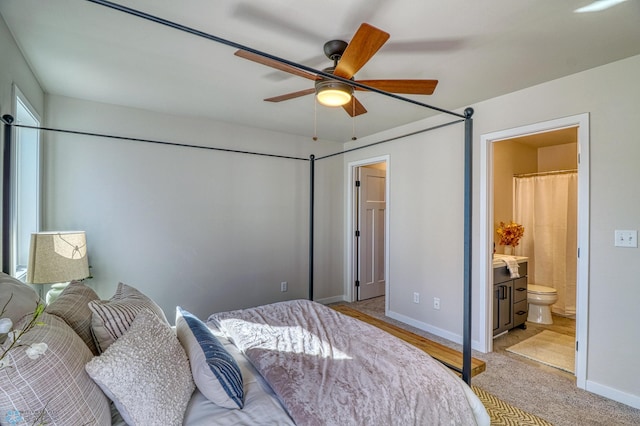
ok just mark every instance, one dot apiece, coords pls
pixel 24 300
pixel 111 318
pixel 73 307
pixel 55 383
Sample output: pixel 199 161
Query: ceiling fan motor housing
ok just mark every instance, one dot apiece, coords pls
pixel 334 49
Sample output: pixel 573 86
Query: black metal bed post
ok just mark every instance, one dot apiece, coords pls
pixel 468 178
pixel 6 194
pixel 312 166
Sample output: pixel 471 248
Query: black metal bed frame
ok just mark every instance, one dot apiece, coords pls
pixel 8 123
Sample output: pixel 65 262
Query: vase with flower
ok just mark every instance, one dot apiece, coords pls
pixel 510 235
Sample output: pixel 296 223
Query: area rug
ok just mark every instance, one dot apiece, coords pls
pixel 550 348
pixel 502 413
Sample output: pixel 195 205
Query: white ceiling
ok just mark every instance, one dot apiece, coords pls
pixel 476 49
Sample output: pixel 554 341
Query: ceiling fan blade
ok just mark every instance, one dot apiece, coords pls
pixel 411 87
pixel 274 64
pixel 364 44
pixel 292 95
pixel 354 108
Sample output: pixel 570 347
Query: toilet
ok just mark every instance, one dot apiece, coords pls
pixel 540 299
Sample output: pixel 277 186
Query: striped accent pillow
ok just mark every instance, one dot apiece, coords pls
pixel 111 318
pixel 215 372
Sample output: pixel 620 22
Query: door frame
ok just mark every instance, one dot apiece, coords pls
pixel 485 251
pixel 349 290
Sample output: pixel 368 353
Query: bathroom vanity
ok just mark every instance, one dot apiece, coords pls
pixel 509 296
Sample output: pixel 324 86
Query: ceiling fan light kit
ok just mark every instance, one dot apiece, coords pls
pixel 333 93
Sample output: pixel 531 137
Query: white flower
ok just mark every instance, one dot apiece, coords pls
pixel 13 334
pixel 5 325
pixel 4 363
pixel 36 349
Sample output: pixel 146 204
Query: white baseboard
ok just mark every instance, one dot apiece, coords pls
pixel 332 299
pixel 614 394
pixel 456 338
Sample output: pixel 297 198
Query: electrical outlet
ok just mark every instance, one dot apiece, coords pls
pixel 416 297
pixel 436 303
pixel 626 238
pixel 283 286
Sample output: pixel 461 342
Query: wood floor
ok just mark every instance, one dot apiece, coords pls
pixel 442 353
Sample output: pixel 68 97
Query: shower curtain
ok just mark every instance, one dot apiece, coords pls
pixel 546 206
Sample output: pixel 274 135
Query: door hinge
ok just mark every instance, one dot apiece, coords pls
pixel 576 346
pixel 357 283
pixel 357 233
pixel 357 183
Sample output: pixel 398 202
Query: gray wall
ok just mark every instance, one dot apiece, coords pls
pixel 204 229
pixel 426 214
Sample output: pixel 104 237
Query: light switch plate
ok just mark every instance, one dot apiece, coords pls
pixel 628 238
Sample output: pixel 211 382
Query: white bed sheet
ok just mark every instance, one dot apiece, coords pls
pixel 261 405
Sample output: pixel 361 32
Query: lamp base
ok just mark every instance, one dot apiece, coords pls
pixel 55 291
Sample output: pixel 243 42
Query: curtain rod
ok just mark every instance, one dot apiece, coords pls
pixel 8 120
pixel 220 40
pixel 392 139
pixel 551 172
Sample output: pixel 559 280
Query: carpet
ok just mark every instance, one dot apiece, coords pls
pixel 550 348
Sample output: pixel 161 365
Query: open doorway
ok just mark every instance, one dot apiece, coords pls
pixel 368 229
pixel 579 124
pixel 535 186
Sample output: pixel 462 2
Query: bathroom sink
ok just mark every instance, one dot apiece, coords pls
pixel 497 259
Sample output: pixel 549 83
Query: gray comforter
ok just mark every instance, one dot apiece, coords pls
pixel 331 369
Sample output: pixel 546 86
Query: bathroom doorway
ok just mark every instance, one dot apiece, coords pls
pixel 535 181
pixel 535 185
pixel 493 188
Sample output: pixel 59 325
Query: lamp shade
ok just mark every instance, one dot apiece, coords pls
pixel 56 257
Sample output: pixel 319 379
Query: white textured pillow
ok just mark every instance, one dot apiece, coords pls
pixel 216 373
pixel 111 318
pixel 145 373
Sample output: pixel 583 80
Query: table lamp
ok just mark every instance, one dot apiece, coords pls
pixel 57 257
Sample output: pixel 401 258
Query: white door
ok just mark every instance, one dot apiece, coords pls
pixel 370 232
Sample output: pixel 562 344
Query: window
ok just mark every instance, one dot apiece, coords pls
pixel 25 189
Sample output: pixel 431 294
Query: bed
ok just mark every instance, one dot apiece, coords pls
pixel 328 368
pixel 119 361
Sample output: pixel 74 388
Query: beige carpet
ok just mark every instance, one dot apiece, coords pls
pixel 550 348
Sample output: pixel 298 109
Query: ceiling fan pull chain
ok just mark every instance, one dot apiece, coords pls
pixel 353 120
pixel 315 119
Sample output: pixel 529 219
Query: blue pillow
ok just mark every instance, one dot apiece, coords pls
pixel 215 372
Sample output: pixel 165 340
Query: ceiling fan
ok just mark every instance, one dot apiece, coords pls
pixel 348 59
